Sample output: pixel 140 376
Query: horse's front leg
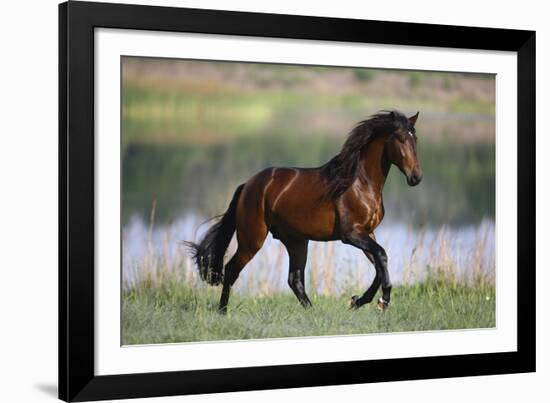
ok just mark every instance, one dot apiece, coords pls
pixel 368 296
pixel 297 253
pixel 377 255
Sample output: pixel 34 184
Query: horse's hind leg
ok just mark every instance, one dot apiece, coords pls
pixel 249 245
pixel 232 270
pixel 297 253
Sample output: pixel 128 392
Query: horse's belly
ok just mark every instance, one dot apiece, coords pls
pixel 316 226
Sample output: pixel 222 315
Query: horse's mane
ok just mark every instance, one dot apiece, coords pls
pixel 342 170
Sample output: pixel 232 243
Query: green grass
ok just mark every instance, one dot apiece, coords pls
pixel 173 312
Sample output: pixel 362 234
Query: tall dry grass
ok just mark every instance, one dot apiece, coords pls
pixel 331 268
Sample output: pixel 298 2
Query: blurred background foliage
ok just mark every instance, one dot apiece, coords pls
pixel 193 130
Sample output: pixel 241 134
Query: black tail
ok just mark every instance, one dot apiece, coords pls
pixel 208 254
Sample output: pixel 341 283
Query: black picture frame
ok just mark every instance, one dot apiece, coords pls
pixel 77 21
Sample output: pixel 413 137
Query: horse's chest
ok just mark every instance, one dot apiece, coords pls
pixel 361 209
pixel 374 213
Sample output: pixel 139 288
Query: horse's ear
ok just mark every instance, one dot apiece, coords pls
pixel 413 118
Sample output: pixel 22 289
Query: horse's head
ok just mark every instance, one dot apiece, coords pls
pixel 401 150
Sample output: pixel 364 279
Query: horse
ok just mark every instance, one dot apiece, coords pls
pixel 340 200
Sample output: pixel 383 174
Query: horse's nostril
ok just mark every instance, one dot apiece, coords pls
pixel 414 179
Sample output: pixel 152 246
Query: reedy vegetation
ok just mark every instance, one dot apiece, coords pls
pixel 167 302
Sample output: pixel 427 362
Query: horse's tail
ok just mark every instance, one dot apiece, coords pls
pixel 208 254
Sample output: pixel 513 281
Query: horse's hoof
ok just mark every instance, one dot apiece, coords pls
pixel 353 302
pixel 382 304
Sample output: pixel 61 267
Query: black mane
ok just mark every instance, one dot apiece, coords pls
pixel 342 169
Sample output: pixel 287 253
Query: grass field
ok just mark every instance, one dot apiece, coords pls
pixel 174 313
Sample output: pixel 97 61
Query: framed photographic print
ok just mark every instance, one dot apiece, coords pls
pixel 257 201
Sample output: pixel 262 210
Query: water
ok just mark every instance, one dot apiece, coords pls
pixel 457 188
pixel 332 267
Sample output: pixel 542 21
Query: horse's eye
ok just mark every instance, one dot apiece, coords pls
pixel 413 135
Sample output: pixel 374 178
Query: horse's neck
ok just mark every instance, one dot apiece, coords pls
pixel 374 166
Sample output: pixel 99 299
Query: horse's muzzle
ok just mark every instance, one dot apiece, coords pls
pixel 414 178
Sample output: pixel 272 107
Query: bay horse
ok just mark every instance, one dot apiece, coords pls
pixel 340 200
